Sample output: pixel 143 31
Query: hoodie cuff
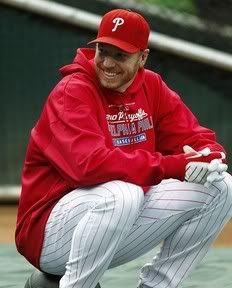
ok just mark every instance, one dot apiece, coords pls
pixel 174 166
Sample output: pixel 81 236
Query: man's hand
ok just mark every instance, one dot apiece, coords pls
pixel 216 172
pixel 204 167
pixel 196 172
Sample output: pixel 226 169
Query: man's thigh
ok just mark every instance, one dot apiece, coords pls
pixel 166 206
pixel 71 214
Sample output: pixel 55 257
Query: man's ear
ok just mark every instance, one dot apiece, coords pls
pixel 143 58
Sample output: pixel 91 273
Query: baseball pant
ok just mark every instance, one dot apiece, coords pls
pixel 93 229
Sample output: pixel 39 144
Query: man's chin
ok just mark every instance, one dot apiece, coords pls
pixel 108 85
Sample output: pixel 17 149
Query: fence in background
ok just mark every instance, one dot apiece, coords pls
pixel 91 21
pixel 34 44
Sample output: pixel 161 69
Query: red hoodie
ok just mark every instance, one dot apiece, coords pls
pixel 88 135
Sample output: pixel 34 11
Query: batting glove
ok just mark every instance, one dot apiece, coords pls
pixel 217 171
pixel 204 167
pixel 204 152
pixel 196 172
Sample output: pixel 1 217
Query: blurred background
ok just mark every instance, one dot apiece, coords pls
pixel 34 46
pixel 191 48
pixel 38 37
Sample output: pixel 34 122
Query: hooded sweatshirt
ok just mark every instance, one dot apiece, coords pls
pixel 87 135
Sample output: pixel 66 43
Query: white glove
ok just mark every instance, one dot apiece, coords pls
pixel 188 149
pixel 203 172
pixel 204 152
pixel 216 172
pixel 197 172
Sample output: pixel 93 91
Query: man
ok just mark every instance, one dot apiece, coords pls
pixel 115 165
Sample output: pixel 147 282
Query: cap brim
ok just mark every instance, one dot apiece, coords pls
pixel 118 43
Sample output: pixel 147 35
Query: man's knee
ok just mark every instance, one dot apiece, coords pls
pixel 225 189
pixel 123 198
pixel 123 192
pixel 185 196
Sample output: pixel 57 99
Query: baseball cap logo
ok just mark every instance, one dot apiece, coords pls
pixel 117 21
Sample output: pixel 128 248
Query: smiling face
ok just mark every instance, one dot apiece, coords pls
pixel 115 68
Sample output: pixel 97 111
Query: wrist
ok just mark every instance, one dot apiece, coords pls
pixel 174 166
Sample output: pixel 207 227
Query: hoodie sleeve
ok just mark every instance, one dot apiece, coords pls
pixel 73 142
pixel 177 126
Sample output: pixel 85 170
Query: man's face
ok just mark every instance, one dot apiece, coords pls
pixel 115 68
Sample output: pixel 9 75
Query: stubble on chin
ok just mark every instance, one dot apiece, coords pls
pixel 105 83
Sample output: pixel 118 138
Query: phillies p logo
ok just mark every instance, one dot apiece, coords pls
pixel 118 22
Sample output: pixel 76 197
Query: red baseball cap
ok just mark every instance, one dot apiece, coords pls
pixel 124 29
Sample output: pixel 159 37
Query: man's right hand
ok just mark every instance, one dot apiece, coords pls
pixel 204 167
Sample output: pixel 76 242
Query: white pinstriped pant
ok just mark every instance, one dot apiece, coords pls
pixel 93 229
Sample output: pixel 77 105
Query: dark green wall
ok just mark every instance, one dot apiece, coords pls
pixel 33 48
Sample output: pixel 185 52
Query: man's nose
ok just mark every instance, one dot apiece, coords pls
pixel 108 62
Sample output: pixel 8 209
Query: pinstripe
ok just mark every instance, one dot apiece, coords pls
pixel 188 190
pixel 52 226
pixel 210 240
pixel 141 248
pixel 192 171
pixel 183 234
pixel 179 200
pixel 183 248
pixel 202 248
pixel 136 227
pixel 198 175
pixel 170 182
pixel 82 265
pixel 215 220
pixel 102 239
pixel 203 176
pixel 202 237
pixel 107 263
pixel 164 209
pixel 146 235
pixel 173 252
pixel 122 219
pixel 126 225
pixel 144 232
pixel 172 237
pixel 68 230
pixel 194 231
pixel 63 227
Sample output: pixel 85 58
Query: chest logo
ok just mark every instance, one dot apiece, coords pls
pixel 129 128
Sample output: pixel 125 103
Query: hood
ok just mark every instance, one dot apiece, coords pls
pixel 83 63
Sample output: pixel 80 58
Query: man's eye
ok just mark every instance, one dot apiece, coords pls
pixel 120 56
pixel 102 52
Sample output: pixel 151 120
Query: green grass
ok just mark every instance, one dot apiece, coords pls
pixel 186 6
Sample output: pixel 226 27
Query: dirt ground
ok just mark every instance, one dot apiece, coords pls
pixel 8 218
